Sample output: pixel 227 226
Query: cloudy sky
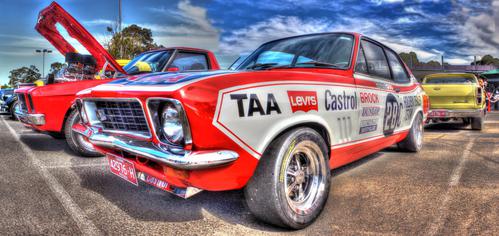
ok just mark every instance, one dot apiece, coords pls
pixel 456 29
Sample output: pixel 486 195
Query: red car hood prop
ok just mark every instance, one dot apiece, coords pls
pixel 46 26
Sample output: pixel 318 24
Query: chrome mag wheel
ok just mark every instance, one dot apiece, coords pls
pixel 305 177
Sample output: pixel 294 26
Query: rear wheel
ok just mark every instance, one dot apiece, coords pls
pixel 477 123
pixel 414 140
pixel 76 141
pixel 291 184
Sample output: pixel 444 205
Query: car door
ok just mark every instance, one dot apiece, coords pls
pixel 380 105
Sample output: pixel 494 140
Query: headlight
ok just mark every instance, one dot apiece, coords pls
pixel 171 125
pixel 170 122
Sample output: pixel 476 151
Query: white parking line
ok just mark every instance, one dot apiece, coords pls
pixel 75 166
pixel 84 224
pixel 453 182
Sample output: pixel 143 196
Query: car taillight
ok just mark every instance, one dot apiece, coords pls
pixel 479 97
pixel 426 104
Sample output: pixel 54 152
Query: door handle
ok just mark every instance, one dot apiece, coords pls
pixel 397 90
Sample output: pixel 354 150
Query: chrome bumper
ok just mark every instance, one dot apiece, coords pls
pixel 444 113
pixel 31 119
pixel 186 161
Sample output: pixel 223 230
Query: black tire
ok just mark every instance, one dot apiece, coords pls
pixel 12 110
pixel 466 121
pixel 477 123
pixel 414 140
pixel 75 140
pixel 265 193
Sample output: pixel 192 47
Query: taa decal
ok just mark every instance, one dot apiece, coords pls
pixel 303 101
pixel 338 102
pixel 391 119
pixel 253 105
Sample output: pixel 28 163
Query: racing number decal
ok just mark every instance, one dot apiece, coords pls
pixel 391 119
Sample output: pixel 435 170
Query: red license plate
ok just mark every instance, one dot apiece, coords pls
pixel 438 113
pixel 123 168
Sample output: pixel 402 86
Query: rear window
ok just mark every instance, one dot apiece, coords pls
pixel 450 80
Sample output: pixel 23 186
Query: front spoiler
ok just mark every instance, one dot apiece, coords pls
pixel 455 113
pixel 185 160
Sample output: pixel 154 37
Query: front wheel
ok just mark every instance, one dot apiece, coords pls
pixel 76 141
pixel 414 140
pixel 291 183
pixel 13 107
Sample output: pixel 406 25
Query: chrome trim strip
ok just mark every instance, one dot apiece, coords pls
pixel 187 161
pixel 31 119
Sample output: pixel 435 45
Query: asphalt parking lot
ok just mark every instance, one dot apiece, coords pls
pixel 451 187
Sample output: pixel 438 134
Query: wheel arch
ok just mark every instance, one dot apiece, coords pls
pixel 317 124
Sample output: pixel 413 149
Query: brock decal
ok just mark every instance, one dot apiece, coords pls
pixel 254 105
pixel 303 101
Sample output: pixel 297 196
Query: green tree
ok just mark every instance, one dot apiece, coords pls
pixel 131 41
pixel 24 75
pixel 56 67
pixel 488 60
pixel 5 86
pixel 410 59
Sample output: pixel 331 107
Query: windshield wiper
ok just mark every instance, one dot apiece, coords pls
pixel 261 66
pixel 318 63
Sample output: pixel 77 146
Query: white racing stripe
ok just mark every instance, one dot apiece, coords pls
pixel 85 226
pixel 453 182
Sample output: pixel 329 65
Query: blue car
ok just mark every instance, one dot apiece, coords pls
pixel 8 102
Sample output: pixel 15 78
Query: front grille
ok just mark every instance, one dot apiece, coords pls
pixel 126 116
pixel 22 102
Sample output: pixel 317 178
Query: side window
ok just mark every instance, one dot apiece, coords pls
pixel 376 60
pixel 186 61
pixel 398 70
pixel 361 65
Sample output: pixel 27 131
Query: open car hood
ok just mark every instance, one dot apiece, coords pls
pixel 55 14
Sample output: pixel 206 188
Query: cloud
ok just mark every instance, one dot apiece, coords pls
pixel 479 31
pixel 249 38
pixel 195 28
pixel 98 22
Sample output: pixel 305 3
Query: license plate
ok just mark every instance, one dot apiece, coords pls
pixel 438 113
pixel 123 168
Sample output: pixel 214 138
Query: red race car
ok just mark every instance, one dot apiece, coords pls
pixel 294 109
pixel 49 108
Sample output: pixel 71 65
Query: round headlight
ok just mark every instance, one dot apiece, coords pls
pixel 171 125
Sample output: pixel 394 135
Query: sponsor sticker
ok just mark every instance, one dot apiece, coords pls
pixel 303 101
pixel 367 126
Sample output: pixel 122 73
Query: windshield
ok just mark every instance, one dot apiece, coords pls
pixel 7 92
pixel 148 62
pixel 316 51
pixel 450 80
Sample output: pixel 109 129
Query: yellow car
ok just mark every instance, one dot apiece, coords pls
pixel 455 96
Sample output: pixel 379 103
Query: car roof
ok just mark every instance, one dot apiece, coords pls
pixel 178 48
pixel 445 75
